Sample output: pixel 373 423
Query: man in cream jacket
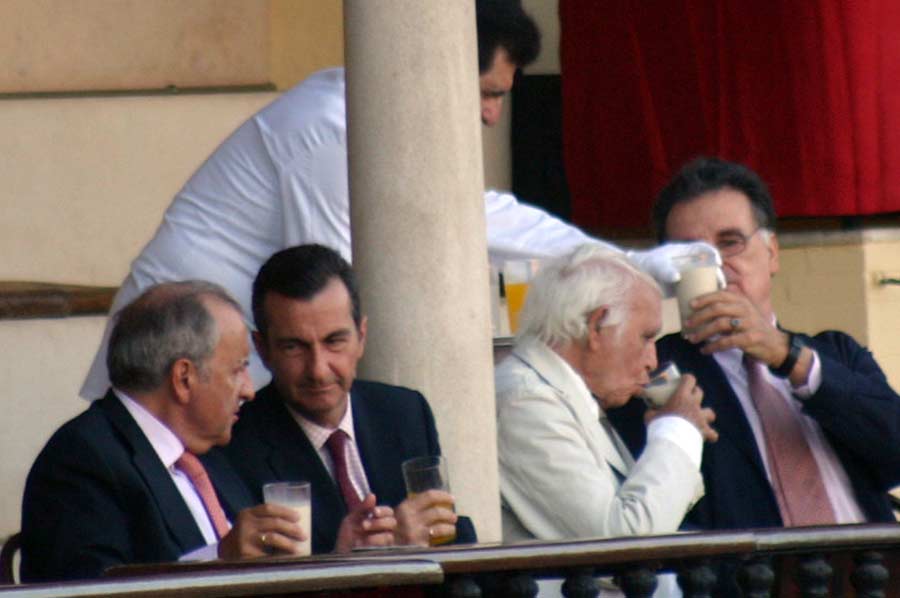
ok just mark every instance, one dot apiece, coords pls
pixel 586 344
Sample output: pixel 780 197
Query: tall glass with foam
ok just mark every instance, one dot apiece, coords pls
pixel 297 496
pixel 699 276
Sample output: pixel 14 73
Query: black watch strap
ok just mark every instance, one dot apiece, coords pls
pixel 795 346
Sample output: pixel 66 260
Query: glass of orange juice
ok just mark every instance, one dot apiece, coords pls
pixel 428 473
pixel 517 275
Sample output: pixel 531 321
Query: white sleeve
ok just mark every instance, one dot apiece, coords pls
pixel 519 231
pixel 210 552
pixel 559 487
pixel 681 433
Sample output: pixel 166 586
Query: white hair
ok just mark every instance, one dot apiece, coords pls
pixel 566 290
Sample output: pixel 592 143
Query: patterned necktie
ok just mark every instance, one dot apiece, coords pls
pixel 337 444
pixel 193 469
pixel 796 478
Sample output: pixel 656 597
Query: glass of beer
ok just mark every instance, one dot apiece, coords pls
pixel 428 473
pixel 517 275
pixel 297 496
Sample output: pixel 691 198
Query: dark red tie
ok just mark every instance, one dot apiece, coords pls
pixel 193 469
pixel 796 478
pixel 337 446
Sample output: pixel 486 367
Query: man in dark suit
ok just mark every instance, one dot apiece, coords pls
pixel 809 427
pixel 122 483
pixel 315 422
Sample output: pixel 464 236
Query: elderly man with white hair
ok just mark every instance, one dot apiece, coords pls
pixel 586 344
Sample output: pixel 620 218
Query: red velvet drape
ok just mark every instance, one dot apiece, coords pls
pixel 806 92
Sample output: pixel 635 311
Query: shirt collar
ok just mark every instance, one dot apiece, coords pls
pixel 164 442
pixel 318 435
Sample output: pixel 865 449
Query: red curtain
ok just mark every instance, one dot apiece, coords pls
pixel 805 92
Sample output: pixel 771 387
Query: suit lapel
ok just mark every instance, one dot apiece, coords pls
pixel 379 447
pixel 292 457
pixel 171 505
pixel 550 367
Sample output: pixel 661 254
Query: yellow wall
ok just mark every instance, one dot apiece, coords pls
pixel 307 35
pixel 822 287
pixel 52 45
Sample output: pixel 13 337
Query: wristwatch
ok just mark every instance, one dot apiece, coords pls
pixel 795 346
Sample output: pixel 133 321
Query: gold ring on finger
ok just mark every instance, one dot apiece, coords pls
pixel 263 538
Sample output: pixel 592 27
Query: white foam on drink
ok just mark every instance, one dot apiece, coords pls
pixel 695 282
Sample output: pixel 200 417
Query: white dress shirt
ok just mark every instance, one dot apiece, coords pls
pixel 318 436
pixel 837 483
pixel 169 448
pixel 281 180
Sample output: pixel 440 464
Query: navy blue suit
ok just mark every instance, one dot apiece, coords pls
pixel 855 407
pixel 391 424
pixel 98 496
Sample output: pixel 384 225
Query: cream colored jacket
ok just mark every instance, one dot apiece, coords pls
pixel 562 475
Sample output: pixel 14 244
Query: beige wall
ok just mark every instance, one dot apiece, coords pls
pixel 882 260
pixel 307 35
pixel 829 278
pixel 43 362
pixel 52 45
pixel 86 180
pixel 829 281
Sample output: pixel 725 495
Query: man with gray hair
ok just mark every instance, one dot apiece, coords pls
pixel 586 344
pixel 122 482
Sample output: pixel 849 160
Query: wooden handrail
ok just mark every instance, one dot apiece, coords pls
pixel 21 300
pixel 276 578
pixel 669 551
pixel 409 570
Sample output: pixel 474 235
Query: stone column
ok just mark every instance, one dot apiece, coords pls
pixel 417 215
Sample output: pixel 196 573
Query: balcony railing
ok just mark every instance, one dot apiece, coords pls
pixel 862 561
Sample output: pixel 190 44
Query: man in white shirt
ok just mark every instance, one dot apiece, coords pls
pixel 281 180
pixel 136 478
pixel 586 344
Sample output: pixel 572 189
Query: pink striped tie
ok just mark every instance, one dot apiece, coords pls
pixel 193 468
pixel 796 478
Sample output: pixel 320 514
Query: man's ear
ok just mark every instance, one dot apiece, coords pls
pixel 774 263
pixel 361 331
pixel 182 377
pixel 259 341
pixel 595 321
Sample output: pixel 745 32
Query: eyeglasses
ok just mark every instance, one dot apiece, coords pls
pixel 732 243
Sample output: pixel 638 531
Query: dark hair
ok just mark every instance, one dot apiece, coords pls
pixel 300 273
pixel 703 175
pixel 167 322
pixel 503 24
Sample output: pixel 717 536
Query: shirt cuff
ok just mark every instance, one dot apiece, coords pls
pixel 679 431
pixel 813 381
pixel 210 552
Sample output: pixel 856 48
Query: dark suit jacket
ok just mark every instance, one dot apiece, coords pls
pixel 391 424
pixel 99 496
pixel 856 408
